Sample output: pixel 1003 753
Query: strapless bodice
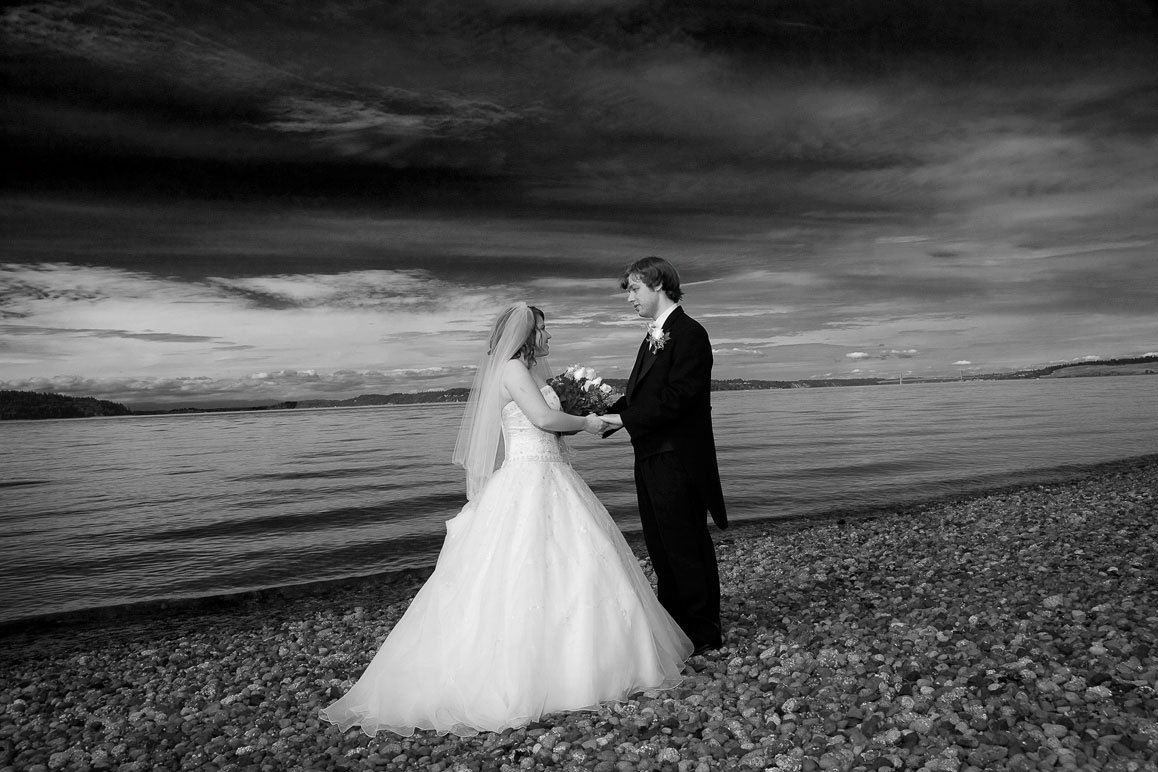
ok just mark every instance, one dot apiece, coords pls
pixel 523 441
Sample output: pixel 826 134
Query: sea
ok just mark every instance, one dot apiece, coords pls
pixel 100 513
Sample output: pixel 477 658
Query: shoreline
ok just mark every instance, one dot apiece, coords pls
pixel 15 631
pixel 1010 630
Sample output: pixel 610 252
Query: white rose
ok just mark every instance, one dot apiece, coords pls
pixel 596 381
pixel 605 388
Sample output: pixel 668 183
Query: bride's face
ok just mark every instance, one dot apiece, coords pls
pixel 542 337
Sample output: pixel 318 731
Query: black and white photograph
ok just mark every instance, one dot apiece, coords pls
pixel 612 385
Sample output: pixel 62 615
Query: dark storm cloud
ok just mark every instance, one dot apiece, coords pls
pixel 125 96
pixel 651 103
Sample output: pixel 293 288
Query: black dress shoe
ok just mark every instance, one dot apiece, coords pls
pixel 704 648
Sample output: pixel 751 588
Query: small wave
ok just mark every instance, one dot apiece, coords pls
pixel 414 508
pixel 258 570
pixel 17 483
pixel 322 475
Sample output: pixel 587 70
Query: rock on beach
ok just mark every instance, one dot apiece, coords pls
pixel 1012 630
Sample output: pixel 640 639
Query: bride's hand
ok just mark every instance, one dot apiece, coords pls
pixel 594 424
pixel 613 420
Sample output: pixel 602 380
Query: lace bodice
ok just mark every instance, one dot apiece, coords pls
pixel 523 441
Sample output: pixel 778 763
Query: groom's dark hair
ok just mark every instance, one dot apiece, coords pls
pixel 655 271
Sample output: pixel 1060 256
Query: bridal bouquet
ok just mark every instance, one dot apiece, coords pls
pixel 582 391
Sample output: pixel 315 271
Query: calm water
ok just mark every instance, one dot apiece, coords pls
pixel 99 512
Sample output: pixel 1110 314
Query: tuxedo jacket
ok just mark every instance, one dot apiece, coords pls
pixel 668 406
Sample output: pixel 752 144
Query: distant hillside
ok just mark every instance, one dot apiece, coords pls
pixel 749 384
pixel 364 400
pixel 25 405
pixel 1139 365
pixel 1145 366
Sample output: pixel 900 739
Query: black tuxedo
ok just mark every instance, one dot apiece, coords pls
pixel 668 413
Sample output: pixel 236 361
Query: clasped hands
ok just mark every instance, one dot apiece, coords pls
pixel 598 424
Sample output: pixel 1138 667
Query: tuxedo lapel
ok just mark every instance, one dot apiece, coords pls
pixel 647 357
pixel 648 360
pixel 636 371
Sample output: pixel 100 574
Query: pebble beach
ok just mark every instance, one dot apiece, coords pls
pixel 1011 630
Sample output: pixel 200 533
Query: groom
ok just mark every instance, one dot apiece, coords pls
pixel 668 413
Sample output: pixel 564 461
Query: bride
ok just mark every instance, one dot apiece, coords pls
pixel 536 604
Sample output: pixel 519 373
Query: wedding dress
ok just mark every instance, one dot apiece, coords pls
pixel 536 605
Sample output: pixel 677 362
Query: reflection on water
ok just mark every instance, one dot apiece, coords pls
pixel 113 510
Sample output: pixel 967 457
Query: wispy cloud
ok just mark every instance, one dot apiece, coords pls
pixel 163 328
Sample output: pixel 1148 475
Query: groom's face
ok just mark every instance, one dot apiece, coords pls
pixel 642 297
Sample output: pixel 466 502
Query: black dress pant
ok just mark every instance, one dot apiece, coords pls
pixel 675 530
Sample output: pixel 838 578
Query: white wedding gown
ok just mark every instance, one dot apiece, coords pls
pixel 536 605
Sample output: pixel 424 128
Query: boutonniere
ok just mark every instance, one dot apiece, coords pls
pixel 657 338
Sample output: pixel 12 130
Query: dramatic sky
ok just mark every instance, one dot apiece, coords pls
pixel 225 203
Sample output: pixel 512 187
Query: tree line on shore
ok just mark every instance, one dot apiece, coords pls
pixel 25 405
pixel 33 404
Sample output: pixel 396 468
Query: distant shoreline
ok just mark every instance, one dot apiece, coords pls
pixel 25 405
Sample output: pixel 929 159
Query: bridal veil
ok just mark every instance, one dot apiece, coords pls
pixel 477 447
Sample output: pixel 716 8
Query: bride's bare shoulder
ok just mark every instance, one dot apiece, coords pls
pixel 515 370
pixel 515 377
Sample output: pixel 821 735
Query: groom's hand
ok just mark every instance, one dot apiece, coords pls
pixel 611 424
pixel 595 424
